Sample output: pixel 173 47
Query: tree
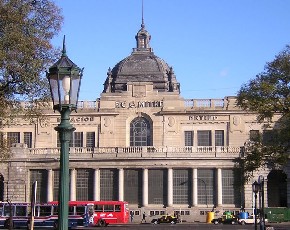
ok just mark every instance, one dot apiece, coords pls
pixel 26 30
pixel 269 94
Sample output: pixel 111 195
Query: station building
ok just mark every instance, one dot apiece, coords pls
pixel 142 142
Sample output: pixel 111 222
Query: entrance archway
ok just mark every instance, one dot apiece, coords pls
pixel 277 189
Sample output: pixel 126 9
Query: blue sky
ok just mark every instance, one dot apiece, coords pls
pixel 214 46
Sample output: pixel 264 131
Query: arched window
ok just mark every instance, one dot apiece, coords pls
pixel 140 132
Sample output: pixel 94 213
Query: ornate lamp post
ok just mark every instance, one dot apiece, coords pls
pixel 262 203
pixel 255 188
pixel 64 78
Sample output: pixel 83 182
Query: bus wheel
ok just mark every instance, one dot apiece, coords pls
pixel 102 223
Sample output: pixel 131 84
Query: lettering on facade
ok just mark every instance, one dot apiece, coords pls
pixel 79 119
pixel 203 118
pixel 138 104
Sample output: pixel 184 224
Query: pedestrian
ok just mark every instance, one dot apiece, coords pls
pixel 143 217
pixel 131 215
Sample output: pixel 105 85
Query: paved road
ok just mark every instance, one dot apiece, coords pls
pixel 199 226
pixel 202 226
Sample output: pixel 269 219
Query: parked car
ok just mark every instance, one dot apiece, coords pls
pixel 225 221
pixel 165 219
pixel 227 218
pixel 250 220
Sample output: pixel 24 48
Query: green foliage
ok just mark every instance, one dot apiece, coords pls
pixel 268 94
pixel 26 52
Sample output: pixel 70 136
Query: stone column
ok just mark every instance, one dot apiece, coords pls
pixel 145 188
pixel 194 187
pixel 219 188
pixel 97 190
pixel 121 184
pixel 73 184
pixel 49 185
pixel 170 187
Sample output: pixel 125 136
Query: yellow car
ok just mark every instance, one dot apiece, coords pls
pixel 165 219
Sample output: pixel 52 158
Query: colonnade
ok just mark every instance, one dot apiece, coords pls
pixel 96 190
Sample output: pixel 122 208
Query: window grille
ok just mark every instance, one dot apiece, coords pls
pixel 219 138
pixel 188 138
pixel 140 132
pixel 204 138
pixel 90 139
pixel 28 139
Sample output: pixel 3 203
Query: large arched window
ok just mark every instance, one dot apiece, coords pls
pixel 140 132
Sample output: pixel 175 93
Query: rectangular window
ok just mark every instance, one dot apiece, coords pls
pixel 90 139
pixel 231 194
pixel 156 183
pixel 181 186
pixel 77 139
pixel 133 185
pixel 45 210
pixel 41 177
pixel 254 135
pixel 270 137
pixel 13 137
pixel 21 210
pixel 206 186
pixel 55 184
pixel 188 138
pixel 219 138
pixel 84 184
pixel 28 139
pixel 108 184
pixel 204 138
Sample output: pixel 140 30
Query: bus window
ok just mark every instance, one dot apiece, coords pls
pixel 21 210
pixel 71 210
pixel 7 210
pixel 91 209
pixel 55 210
pixel 80 210
pixel 44 210
pixel 108 208
pixel 117 208
pixel 99 208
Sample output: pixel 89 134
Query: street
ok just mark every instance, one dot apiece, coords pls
pixel 276 226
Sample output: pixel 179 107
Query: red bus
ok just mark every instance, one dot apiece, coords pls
pixel 80 214
pixel 102 213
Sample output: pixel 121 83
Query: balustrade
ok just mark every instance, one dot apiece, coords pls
pixel 145 151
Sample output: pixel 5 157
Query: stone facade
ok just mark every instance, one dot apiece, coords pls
pixel 136 131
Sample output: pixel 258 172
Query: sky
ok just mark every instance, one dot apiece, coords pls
pixel 214 46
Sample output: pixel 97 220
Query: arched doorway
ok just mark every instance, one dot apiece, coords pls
pixel 277 189
pixel 1 187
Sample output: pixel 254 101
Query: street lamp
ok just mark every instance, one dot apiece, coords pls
pixel 64 79
pixel 255 188
pixel 262 203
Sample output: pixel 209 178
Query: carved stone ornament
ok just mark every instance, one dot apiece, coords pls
pixel 171 121
pixel 237 120
pixel 107 122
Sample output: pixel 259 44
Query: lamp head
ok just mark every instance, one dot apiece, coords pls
pixel 64 79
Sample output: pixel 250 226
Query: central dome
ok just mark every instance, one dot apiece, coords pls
pixel 141 66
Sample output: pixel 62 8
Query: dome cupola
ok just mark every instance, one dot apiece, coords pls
pixel 141 66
